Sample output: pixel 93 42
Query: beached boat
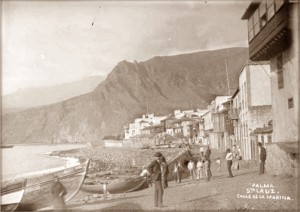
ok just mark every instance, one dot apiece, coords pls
pixel 11 194
pixel 37 193
pixel 6 146
pixel 117 187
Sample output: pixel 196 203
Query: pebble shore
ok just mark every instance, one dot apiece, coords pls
pixel 114 164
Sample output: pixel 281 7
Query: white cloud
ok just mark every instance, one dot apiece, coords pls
pixel 57 37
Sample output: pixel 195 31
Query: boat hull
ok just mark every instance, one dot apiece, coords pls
pixel 12 194
pixel 117 187
pixel 38 190
pixel 10 146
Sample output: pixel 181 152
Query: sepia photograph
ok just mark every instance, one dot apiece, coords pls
pixel 150 105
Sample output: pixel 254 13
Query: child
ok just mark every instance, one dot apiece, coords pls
pixel 199 169
pixel 191 167
pixel 177 172
pixel 218 162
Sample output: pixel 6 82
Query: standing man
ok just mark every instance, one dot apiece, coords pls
pixel 58 192
pixel 154 170
pixel 207 156
pixel 201 150
pixel 262 157
pixel 164 171
pixel 229 157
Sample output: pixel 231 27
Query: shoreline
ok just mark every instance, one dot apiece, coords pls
pixel 69 162
pixel 59 163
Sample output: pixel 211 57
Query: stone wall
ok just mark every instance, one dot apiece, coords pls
pixel 282 158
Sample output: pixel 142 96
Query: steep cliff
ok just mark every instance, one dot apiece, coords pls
pixel 164 83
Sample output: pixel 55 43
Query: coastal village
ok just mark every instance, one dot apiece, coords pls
pixel 263 109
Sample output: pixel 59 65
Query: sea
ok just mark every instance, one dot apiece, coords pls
pixel 23 161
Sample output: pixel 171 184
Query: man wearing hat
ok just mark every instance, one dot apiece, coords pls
pixel 154 170
pixel 262 157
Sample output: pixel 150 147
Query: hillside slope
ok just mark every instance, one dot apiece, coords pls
pixel 38 96
pixel 166 83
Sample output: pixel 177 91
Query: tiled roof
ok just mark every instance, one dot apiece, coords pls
pixel 150 136
pixel 152 127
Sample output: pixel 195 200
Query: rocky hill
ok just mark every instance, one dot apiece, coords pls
pixel 165 83
pixel 32 97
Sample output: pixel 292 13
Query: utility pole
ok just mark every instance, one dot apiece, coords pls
pixel 147 107
pixel 227 78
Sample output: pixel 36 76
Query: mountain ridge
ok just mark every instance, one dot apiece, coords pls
pixel 161 84
pixel 35 96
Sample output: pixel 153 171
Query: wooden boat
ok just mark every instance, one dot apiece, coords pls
pixel 117 187
pixel 11 194
pixel 38 189
pixel 183 160
pixel 6 146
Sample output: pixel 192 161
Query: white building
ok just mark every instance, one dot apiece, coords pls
pixel 140 123
pixel 254 103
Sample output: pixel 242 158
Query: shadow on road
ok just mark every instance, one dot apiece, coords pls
pixel 103 201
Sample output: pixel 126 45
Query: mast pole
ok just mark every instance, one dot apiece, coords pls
pixel 227 78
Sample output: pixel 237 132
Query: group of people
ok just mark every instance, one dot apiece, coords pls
pixel 202 168
pixel 236 153
pixel 157 173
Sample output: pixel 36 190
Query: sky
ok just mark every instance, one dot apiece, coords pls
pixel 51 42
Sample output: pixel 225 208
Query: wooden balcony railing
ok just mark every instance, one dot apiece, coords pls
pixel 273 38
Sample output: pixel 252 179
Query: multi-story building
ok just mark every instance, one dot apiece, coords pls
pixel 253 101
pixel 219 120
pixel 223 127
pixel 208 126
pixel 140 123
pixel 212 137
pixel 273 33
pixel 153 129
pixel 135 128
pixel 233 115
pixel 273 28
pixel 187 127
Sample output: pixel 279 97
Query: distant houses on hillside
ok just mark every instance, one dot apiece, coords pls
pixel 238 120
pixel 183 126
pixel 264 107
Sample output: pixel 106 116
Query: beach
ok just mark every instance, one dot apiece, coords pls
pixel 245 191
pixel 114 164
pixel 221 193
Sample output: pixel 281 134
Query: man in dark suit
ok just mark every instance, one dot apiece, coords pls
pixel 154 170
pixel 262 157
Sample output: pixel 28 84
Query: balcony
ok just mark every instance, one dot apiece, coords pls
pixel 233 114
pixel 272 39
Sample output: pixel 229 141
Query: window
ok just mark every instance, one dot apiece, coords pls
pixel 269 138
pixel 271 9
pixel 280 72
pixel 250 28
pixel 290 103
pixel 256 22
pixel 278 4
pixel 263 14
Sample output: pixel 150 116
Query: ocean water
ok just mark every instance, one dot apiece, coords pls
pixel 28 160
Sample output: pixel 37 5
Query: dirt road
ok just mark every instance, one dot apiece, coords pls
pixel 245 191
